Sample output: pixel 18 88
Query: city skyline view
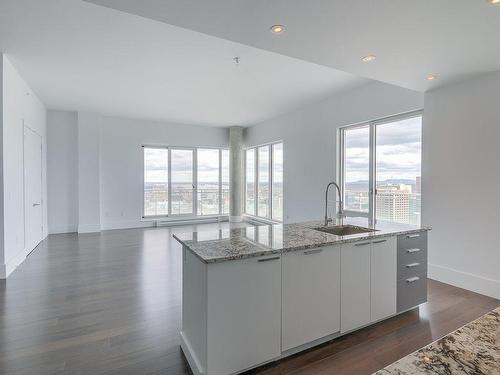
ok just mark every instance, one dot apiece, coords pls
pixel 397 169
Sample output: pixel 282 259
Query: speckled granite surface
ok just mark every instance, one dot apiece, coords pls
pixel 472 349
pixel 240 243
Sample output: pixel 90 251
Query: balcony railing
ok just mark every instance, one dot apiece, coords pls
pixel 182 202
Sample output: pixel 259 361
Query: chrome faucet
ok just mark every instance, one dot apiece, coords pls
pixel 340 211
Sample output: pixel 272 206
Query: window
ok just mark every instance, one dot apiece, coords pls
pixel 182 181
pixel 155 182
pixel 381 169
pixel 264 181
pixel 208 181
pixel 185 181
pixel 356 168
pixel 263 177
pixel 225 181
pixel 250 178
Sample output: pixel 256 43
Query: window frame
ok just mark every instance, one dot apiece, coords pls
pixel 194 214
pixel 267 219
pixel 372 163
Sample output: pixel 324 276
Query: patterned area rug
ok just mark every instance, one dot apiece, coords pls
pixel 472 349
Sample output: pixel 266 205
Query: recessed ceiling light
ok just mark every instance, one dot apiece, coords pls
pixel 369 58
pixel 432 77
pixel 494 1
pixel 277 29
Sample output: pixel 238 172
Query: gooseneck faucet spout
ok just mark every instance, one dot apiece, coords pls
pixel 341 209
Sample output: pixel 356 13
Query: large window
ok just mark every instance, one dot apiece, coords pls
pixel 381 169
pixel 185 181
pixel 264 181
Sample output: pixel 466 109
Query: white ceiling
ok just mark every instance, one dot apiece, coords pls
pixel 81 56
pixel 411 39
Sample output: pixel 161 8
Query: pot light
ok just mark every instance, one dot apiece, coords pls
pixel 432 77
pixel 277 29
pixel 369 58
pixel 494 1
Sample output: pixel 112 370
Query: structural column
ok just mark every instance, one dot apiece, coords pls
pixel 89 184
pixel 236 173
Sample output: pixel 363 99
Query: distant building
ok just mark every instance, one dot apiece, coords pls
pixel 393 203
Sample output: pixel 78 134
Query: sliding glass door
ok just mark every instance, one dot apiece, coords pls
pixel 381 169
pixel 398 170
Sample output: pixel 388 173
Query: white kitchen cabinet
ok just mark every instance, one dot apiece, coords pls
pixel 311 295
pixel 383 278
pixel 355 285
pixel 231 313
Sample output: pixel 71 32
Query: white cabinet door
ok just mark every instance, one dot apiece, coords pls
pixel 311 295
pixel 355 285
pixel 243 314
pixel 383 278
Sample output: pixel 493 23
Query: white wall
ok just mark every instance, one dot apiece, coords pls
pixel 62 171
pixel 461 180
pixel 309 137
pixel 116 143
pixel 20 107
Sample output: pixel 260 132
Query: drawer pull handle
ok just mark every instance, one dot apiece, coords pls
pixel 379 241
pixel 412 250
pixel 412 279
pixel 315 251
pixel 361 244
pixel 413 236
pixel 268 259
pixel 411 265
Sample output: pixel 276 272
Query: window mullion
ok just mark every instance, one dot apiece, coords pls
pixel 372 173
pixel 270 190
pixel 256 188
pixel 169 184
pixel 220 181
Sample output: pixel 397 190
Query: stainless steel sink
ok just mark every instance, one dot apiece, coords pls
pixel 344 230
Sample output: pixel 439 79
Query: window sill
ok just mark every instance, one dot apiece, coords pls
pixel 261 220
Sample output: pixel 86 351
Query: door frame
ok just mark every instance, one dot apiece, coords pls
pixel 42 202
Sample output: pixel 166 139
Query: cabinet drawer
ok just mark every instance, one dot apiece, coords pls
pixel 412 292
pixel 407 270
pixel 412 248
pixel 412 240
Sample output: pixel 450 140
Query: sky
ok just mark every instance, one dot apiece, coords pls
pixel 398 151
pixel 156 166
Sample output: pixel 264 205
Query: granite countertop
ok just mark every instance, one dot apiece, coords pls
pixel 252 241
pixel 472 349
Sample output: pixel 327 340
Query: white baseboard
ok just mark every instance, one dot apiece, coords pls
pixel 126 224
pixel 12 264
pixel 465 280
pixel 193 361
pixel 89 228
pixel 235 219
pixel 59 229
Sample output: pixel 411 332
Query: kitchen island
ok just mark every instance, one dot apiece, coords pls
pixel 260 293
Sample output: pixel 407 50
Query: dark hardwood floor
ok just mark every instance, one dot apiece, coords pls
pixel 110 303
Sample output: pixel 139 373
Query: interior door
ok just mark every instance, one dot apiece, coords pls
pixel 33 208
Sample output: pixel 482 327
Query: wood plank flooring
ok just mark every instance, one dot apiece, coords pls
pixel 110 303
